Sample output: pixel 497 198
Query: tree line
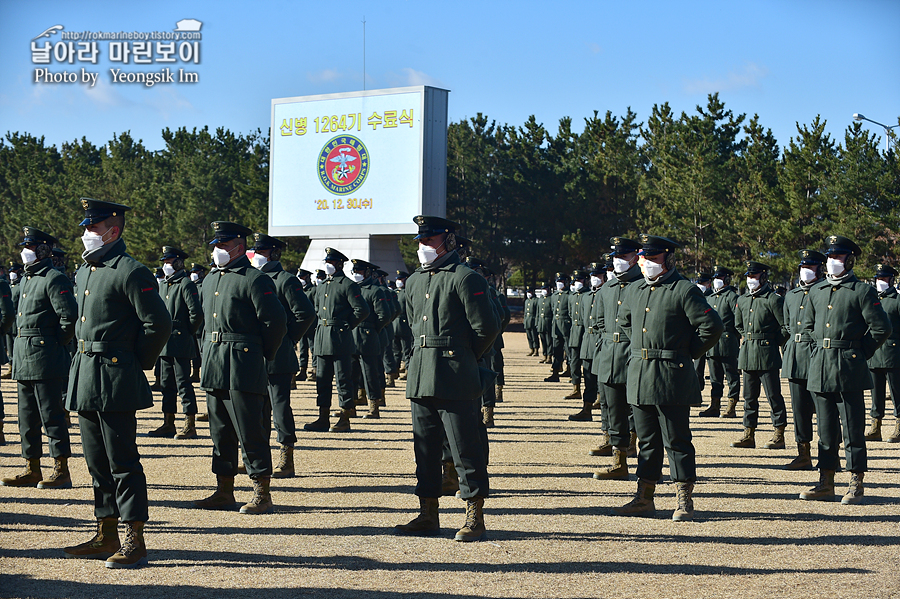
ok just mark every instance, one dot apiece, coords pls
pixel 533 201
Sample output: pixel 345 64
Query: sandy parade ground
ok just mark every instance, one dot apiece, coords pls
pixel 550 532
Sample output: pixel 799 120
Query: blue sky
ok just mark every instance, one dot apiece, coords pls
pixel 788 61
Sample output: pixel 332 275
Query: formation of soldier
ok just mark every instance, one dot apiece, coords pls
pixel 634 334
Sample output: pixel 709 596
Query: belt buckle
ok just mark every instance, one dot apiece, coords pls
pixel 616 337
pixel 81 346
pixel 826 343
pixel 215 337
pixel 421 340
pixel 797 337
pixel 644 355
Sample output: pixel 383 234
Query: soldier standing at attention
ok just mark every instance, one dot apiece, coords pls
pixel 244 326
pixel 299 313
pixel 559 303
pixel 576 331
pixel 305 344
pixel 885 364
pixel 6 320
pixel 848 324
pixel 46 323
pixel 588 344
pixel 610 363
pixel 197 274
pixel 402 333
pixel 759 318
pixel 9 333
pixel 545 323
pixel 449 309
pixel 704 283
pixel 339 309
pixel 366 335
pixel 123 324
pixel 722 359
pixel 183 302
pixel 530 323
pixel 797 353
pixel 669 323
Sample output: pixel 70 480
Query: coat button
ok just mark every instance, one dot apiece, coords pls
pixel 646 309
pixel 450 353
pixel 829 306
pixel 681 365
pixel 82 318
pixel 87 292
pixel 214 314
pixel 93 268
pixel 424 318
pixel 114 360
pixel 427 296
pixel 246 349
pixel 644 330
pixel 42 342
pixel 853 355
pixel 24 295
pixel 167 297
pixel 828 324
pixel 217 293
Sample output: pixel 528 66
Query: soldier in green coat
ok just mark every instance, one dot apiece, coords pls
pixel 46 323
pixel 562 322
pixel 611 361
pixel 402 333
pixel 797 353
pixel 530 323
pixel 885 364
pixel 197 274
pixel 305 345
pixel 454 324
pixel 576 331
pixel 759 318
pixel 6 320
pixel 722 359
pixel 544 319
pixel 122 326
pixel 340 308
pixel 704 284
pixel 588 345
pixel 183 302
pixel 300 314
pixel 848 325
pixel 669 324
pixel 366 335
pixel 244 325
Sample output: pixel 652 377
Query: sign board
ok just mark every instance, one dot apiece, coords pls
pixel 357 164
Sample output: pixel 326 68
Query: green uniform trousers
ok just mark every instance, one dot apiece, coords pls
pixel 771 382
pixel 340 370
pixel 666 427
pixel 432 418
pixel 619 414
pixel 803 407
pixel 109 442
pixel 239 417
pixel 371 372
pixel 720 370
pixel 40 404
pixel 175 380
pixel 882 377
pixel 845 410
pixel 279 405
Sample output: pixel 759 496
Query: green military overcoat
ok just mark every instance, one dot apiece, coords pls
pixel 339 309
pixel 576 330
pixel 366 334
pixel 182 299
pixel 544 315
pixel 799 346
pixel 528 317
pixel 759 318
pixel 589 335
pixel 724 301
pixel 613 349
pixel 888 355
pixel 299 314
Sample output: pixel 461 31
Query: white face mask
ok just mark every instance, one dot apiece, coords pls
pixel 529 295
pixel 621 265
pixel 330 269
pixel 428 254
pixel 221 257
pixel 13 277
pixel 752 284
pixel 560 285
pixel 807 274
pixel 258 260
pixel 543 293
pixel 578 286
pixel 650 269
pixel 702 287
pixel 168 269
pixel 881 286
pixel 834 267
pixel 596 281
pixel 195 277
pixel 401 283
pixel 28 256
pixel 718 284
pixel 358 277
pixel 92 241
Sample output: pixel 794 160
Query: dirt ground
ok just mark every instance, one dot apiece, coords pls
pixel 550 532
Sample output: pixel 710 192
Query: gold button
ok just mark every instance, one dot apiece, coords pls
pixel 323 307
pixel 326 295
pixel 715 306
pixel 450 353
pixel 214 314
pixel 42 343
pixel 617 320
pixel 20 314
pixel 853 355
pixel 24 295
pixel 749 324
pixel 646 309
pixel 619 302
pixel 681 365
pixel 751 309
pixel 87 292
pixel 829 306
pixel 827 324
pixel 245 349
pixel 644 330
pixel 798 322
pixel 221 274
pixel 217 293
pixel 29 278
pixel 801 307
pixel 424 318
pixel 427 296
pixel 93 268
pixel 82 318
pixel 114 360
pixel 167 297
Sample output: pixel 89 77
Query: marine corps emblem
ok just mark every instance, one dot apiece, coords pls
pixel 343 164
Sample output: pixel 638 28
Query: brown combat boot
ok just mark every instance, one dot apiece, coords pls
pixel 133 552
pixel 261 502
pixel 391 377
pixel 642 504
pixel 824 491
pixel 747 440
pixel 777 440
pixel 576 392
pixel 321 424
pixel 222 498
pixel 554 376
pixel 351 412
pixel 189 430
pixel 450 482
pixel 619 468
pixel 361 397
pixel 30 477
pixel 102 545
pixel 473 529
pixel 60 479
pixel 312 375
pixel 584 415
pixel 343 423
pixel 855 492
pixel 285 467
pixel 487 416
pixel 874 432
pixel 715 404
pixel 803 461
pixel 605 447
pixel 730 411
pixel 373 409
pixel 167 429
pixel 499 394
pixel 632 445
pixel 684 495
pixel 894 438
pixel 427 523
